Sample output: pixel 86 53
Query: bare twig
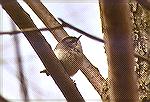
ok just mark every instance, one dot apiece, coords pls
pixel 28 30
pixel 65 24
pixel 23 85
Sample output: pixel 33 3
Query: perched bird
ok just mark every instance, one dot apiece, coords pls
pixel 69 52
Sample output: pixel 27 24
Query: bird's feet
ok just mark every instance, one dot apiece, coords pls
pixel 45 71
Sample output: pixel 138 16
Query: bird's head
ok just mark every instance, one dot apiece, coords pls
pixel 70 41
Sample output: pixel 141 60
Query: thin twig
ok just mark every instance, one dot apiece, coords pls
pixel 24 30
pixel 65 24
pixel 23 85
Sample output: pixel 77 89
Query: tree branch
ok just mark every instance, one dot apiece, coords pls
pixel 47 18
pixel 65 24
pixel 43 50
pixel 120 54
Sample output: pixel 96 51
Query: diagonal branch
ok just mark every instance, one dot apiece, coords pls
pixel 43 50
pixel 47 18
pixel 65 24
pixel 50 22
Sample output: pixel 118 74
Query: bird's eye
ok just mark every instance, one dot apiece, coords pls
pixel 71 41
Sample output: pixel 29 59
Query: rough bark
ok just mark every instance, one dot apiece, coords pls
pixel 117 33
pixel 141 36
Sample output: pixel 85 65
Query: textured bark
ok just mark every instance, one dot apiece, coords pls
pixel 117 33
pixel 141 42
pixel 141 36
pixel 93 75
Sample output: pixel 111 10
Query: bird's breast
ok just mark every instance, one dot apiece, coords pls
pixel 71 60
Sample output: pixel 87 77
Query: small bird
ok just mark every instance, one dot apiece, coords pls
pixel 69 52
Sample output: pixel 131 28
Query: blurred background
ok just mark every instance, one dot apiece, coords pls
pixel 83 15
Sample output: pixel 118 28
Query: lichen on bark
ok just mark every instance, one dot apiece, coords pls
pixel 141 42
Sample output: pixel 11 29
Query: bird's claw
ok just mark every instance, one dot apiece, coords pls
pixel 45 71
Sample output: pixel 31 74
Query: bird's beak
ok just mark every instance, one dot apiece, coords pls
pixel 78 38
